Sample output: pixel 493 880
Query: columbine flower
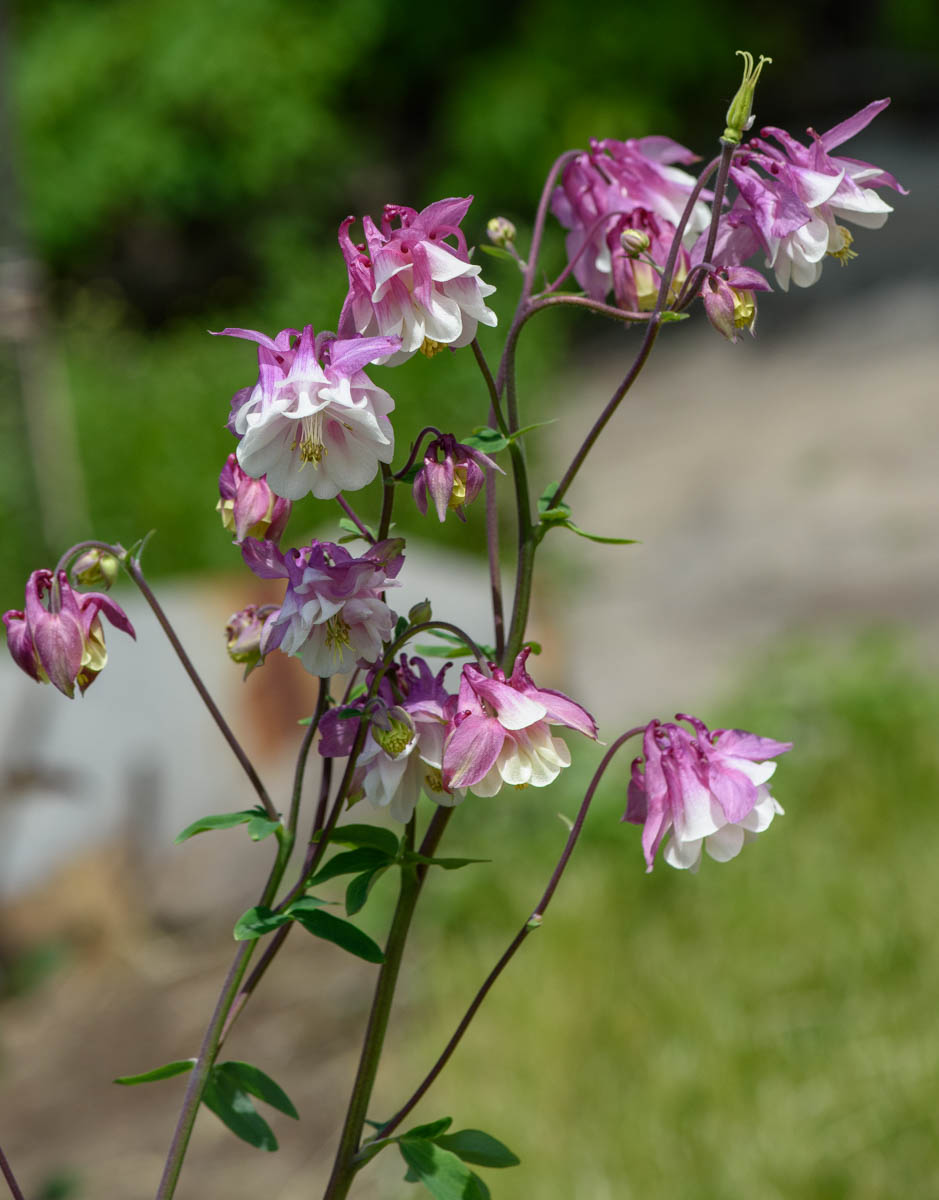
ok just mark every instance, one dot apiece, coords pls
pixel 636 276
pixel 403 749
pixel 796 207
pixel 248 507
pixel 332 614
pixel 500 732
pixel 411 282
pixel 62 643
pixel 455 481
pixel 314 422
pixel 611 181
pixel 729 300
pixel 705 788
pixel 243 636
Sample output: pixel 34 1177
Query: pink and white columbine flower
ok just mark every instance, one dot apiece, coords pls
pixel 403 749
pixel 332 614
pixel 612 180
pixel 248 507
pixel 455 481
pixel 795 207
pixel 409 281
pixel 707 789
pixel 500 732
pixel 314 422
pixel 59 638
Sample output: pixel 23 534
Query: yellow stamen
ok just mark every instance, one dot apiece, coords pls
pixel 337 635
pixel 844 253
pixel 312 447
pixel 433 780
pixel 429 347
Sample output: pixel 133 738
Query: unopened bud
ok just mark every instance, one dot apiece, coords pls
pixel 501 231
pixel 420 613
pixel 634 242
pixel 94 566
pixel 740 113
pixel 243 637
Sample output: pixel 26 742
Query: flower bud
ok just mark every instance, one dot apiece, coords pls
pixel 243 638
pixel 453 482
pixel 501 231
pixel 95 566
pixel 740 114
pixel 248 507
pixel 420 613
pixel 634 242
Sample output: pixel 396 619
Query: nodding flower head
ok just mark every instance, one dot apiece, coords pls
pixel 413 279
pixel 58 638
pixel 454 480
pixel 706 789
pixel 248 507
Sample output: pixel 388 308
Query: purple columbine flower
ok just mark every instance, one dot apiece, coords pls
pixel 500 732
pixel 729 300
pixel 612 180
pixel 333 614
pixel 707 789
pixel 403 750
pixel 314 422
pixel 453 482
pixel 636 277
pixel 243 635
pixel 248 507
pixel 796 204
pixel 408 280
pixel 59 638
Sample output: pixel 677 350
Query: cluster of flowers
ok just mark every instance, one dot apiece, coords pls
pixel 621 202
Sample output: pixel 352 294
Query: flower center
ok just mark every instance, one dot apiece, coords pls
pixel 429 347
pixel 458 495
pixel 433 780
pixel 337 635
pixel 393 741
pixel 844 253
pixel 312 447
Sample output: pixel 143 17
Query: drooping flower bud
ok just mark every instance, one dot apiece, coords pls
pixel 500 231
pixel 453 482
pixel 248 507
pixel 740 114
pixel 243 636
pixel 95 566
pixel 729 300
pixel 420 613
pixel 59 638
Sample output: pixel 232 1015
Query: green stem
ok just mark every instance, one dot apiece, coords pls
pixel 412 879
pixel 208 1051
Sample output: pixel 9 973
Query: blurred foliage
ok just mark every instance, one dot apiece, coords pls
pixel 763 1029
pixel 185 166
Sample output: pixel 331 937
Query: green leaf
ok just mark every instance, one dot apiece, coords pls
pixel 350 526
pixel 490 441
pixel 258 921
pixel 667 317
pixel 474 1146
pixel 448 864
pixel 498 252
pixel 359 888
pixel 430 1130
pixel 440 1171
pixel 225 821
pixel 342 933
pixel 306 904
pixel 400 626
pixel 595 537
pixel 261 827
pixel 478 1189
pixel 351 862
pixel 165 1072
pixel 233 1106
pixel 365 835
pixel 254 1080
pixel 548 511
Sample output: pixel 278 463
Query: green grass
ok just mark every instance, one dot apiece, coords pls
pixel 765 1029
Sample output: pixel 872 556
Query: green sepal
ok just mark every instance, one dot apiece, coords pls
pixel 165 1072
pixel 234 1108
pixel 341 933
pixel 256 819
pixel 359 889
pixel 365 835
pixel 481 1149
pixel 353 862
pixel 448 864
pixel 252 1079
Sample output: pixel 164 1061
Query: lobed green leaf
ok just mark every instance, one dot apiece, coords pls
pixel 365 835
pixel 352 862
pixel 359 888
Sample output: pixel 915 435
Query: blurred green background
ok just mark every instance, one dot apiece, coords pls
pixel 171 168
